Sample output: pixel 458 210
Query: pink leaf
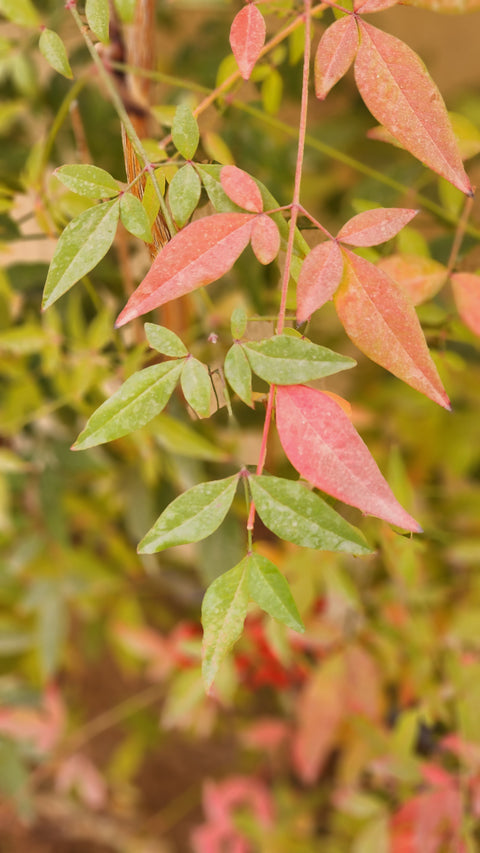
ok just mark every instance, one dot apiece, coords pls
pixel 41 727
pixel 400 93
pixel 335 53
pixel 466 290
pixel 241 188
pixel 199 254
pixel 265 239
pixel 247 37
pixel 381 321
pixel 319 278
pixel 364 6
pixel 375 226
pixel 420 278
pixel 326 449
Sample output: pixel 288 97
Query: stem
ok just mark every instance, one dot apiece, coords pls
pixel 123 116
pixel 295 206
pixel 459 234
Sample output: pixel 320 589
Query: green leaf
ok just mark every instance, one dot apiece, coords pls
pixel 125 10
pixel 185 133
pixel 270 590
pixel 184 194
pixel 83 243
pixel 298 515
pixel 90 181
pixel 134 217
pixel 196 386
pixel 165 341
pixel 53 49
pixel 285 360
pixel 192 516
pixel 20 12
pixel 138 400
pixel 272 89
pixel 98 15
pixel 238 373
pixel 238 322
pixel 223 613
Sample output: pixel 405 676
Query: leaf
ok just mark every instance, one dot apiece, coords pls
pixel 20 12
pixel 134 217
pixel 284 360
pixel 381 321
pixel 98 17
pixel 196 386
pixel 90 181
pixel 238 373
pixel 241 189
pixel 319 278
pixel 466 290
pixel 375 226
pixel 366 6
pixel 265 239
pixel 270 590
pixel 177 437
pixel 184 194
pixel 335 53
pixel 125 10
pixel 165 341
pixel 400 93
pixel 298 515
pixel 82 244
pixel 136 402
pixel 224 609
pixel 192 516
pixel 185 133
pixel 52 48
pixel 238 322
pixel 247 37
pixel 325 448
pixel 198 254
pixel 272 90
pixel 420 278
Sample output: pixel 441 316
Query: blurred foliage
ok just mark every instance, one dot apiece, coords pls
pixel 107 737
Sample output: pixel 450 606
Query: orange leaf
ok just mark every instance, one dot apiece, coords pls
pixel 326 449
pixel 381 321
pixel 400 93
pixel 335 53
pixel 319 278
pixel 265 239
pixel 247 37
pixel 420 278
pixel 466 290
pixel 199 254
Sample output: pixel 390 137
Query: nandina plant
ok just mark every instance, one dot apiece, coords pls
pixel 192 247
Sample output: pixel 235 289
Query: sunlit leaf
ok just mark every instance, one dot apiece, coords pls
pixel 466 290
pixel 134 217
pixel 270 590
pixel 381 321
pixel 83 243
pixel 185 133
pixel 239 373
pixel 196 386
pixel 165 341
pixel 192 516
pixel 90 181
pixel 138 400
pixel 284 360
pixel 375 226
pixel 319 278
pixel 241 189
pixel 247 37
pixel 419 277
pixel 184 194
pixel 53 49
pixel 335 53
pixel 224 609
pixel 400 93
pixel 198 254
pixel 265 239
pixel 97 13
pixel 324 447
pixel 298 515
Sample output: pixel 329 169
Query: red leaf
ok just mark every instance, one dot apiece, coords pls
pixel 375 226
pixel 420 278
pixel 319 278
pixel 247 37
pixel 326 449
pixel 265 239
pixel 335 53
pixel 200 253
pixel 241 188
pixel 400 93
pixel 466 290
pixel 381 321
